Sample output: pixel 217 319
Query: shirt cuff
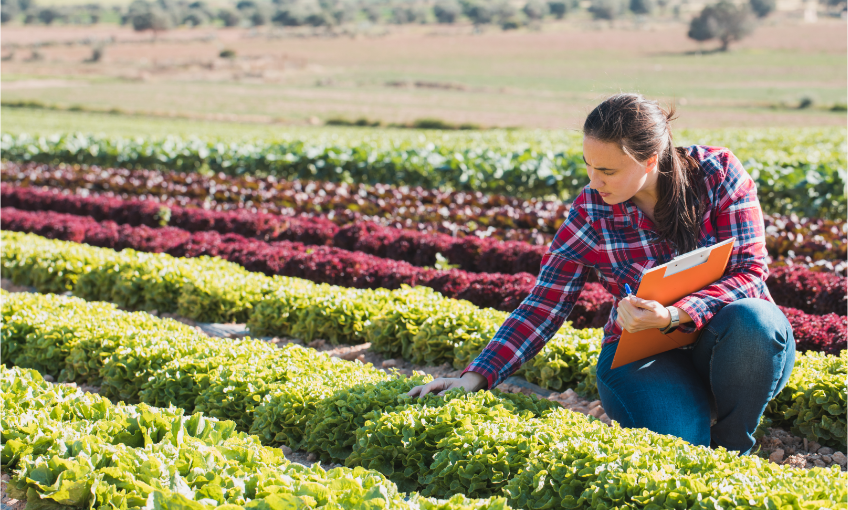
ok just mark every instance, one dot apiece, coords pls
pixel 490 376
pixel 696 309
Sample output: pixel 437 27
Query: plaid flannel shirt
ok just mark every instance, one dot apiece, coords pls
pixel 619 242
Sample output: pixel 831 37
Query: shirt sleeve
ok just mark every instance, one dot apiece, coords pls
pixel 562 276
pixel 738 214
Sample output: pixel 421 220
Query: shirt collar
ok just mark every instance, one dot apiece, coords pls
pixel 624 214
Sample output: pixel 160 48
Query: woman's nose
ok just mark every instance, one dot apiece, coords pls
pixel 594 182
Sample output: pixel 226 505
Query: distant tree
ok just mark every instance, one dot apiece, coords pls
pixel 642 6
pixel 302 13
pixel 245 4
pixel 230 17
pixel 505 10
pixel 343 12
pixel 260 17
pixel 372 13
pixel 558 9
pixel 409 13
pixel 48 15
pixel 606 9
pixel 95 12
pixel 196 17
pixel 480 12
pixel 319 19
pixel 762 8
pixel 9 10
pixel 290 16
pixel 535 9
pixel 447 11
pixel 723 21
pixel 154 19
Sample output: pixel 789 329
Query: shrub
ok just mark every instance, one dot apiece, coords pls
pixel 447 11
pixel 762 8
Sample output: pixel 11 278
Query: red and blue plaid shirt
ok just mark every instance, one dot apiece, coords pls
pixel 620 243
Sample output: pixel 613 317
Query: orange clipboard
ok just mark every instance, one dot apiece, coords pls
pixel 667 284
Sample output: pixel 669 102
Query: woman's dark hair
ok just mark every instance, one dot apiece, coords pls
pixel 641 128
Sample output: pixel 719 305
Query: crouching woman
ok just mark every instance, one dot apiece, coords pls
pixel 648 201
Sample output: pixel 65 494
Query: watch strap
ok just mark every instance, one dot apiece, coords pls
pixel 675 321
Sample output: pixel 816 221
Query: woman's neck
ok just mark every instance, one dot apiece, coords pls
pixel 646 199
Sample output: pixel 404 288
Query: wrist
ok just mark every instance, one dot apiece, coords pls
pixel 478 381
pixel 674 320
pixel 667 319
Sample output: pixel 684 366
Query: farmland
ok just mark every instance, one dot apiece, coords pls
pixel 401 243
pixel 530 79
pixel 213 298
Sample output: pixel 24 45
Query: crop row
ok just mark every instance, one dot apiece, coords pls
pixel 807 291
pixel 417 324
pixel 469 253
pixel 91 453
pixel 451 212
pixel 474 444
pixel 455 213
pixel 321 264
pixel 807 185
pixel 420 249
pixel 825 333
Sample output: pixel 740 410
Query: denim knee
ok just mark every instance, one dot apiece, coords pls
pixel 660 393
pixel 759 322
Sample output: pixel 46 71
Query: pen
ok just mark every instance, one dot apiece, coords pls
pixel 627 289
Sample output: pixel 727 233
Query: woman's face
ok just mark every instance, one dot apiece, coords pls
pixel 614 174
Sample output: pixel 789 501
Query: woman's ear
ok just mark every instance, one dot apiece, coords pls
pixel 651 163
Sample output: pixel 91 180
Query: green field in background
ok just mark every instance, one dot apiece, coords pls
pixel 761 144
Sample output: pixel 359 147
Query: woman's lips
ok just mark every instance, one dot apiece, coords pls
pixel 604 194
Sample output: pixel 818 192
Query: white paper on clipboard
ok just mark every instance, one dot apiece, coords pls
pixel 690 259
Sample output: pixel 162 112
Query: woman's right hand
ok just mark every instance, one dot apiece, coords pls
pixel 471 381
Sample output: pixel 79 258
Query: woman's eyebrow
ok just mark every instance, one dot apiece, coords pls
pixel 597 167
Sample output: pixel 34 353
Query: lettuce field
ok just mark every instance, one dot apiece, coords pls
pixel 418 247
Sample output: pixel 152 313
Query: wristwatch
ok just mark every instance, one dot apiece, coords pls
pixel 675 320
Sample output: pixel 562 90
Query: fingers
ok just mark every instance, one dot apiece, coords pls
pixel 435 386
pixel 645 304
pixel 625 319
pixel 638 303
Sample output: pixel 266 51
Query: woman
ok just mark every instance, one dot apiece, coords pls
pixel 648 201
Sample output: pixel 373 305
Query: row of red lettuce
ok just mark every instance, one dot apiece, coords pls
pixel 418 248
pixel 814 242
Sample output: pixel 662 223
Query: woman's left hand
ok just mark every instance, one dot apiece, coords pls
pixel 637 314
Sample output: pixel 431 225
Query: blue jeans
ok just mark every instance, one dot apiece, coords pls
pixel 741 360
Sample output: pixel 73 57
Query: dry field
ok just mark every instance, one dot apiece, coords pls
pixel 548 78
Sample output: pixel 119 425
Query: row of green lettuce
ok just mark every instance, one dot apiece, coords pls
pixel 415 323
pixel 482 444
pixel 804 175
pixel 70 449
